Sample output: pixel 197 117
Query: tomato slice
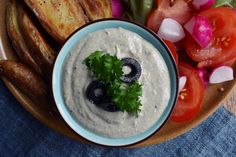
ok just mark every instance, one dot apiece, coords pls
pixel 172 49
pixel 190 98
pixel 230 62
pixel 222 47
pixel 180 11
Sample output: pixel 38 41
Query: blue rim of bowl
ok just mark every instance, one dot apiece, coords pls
pixel 61 111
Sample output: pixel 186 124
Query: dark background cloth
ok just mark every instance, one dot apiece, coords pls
pixel 21 135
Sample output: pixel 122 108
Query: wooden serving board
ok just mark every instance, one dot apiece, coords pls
pixel 212 100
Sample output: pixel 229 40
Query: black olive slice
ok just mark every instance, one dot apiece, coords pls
pixel 109 105
pixel 96 93
pixel 135 70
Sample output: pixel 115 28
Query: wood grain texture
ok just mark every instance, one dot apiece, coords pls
pixel 230 103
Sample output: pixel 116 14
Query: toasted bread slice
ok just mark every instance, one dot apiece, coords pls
pixel 97 9
pixel 59 18
pixel 26 80
pixel 16 37
pixel 42 53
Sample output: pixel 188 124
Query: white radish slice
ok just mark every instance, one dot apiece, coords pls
pixel 171 30
pixel 221 74
pixel 182 82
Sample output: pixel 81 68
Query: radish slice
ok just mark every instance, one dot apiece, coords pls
pixel 117 8
pixel 203 4
pixel 171 30
pixel 221 74
pixel 182 82
pixel 204 75
pixel 200 29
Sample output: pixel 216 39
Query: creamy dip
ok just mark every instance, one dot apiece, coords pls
pixel 154 79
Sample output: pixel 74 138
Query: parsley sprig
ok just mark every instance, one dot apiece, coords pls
pixel 127 97
pixel 105 67
pixel 108 69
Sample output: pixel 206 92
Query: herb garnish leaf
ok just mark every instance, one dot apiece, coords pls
pixel 105 67
pixel 108 69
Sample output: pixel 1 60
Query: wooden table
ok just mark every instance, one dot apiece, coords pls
pixel 230 103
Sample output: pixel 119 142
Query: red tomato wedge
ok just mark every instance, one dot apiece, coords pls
pixel 190 98
pixel 222 47
pixel 172 49
pixel 180 11
pixel 230 62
